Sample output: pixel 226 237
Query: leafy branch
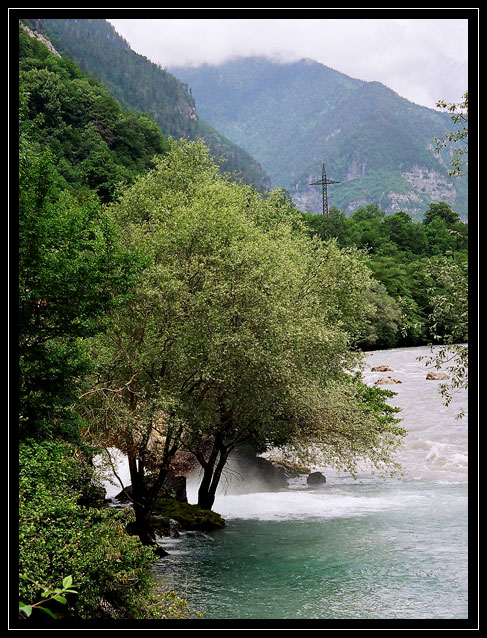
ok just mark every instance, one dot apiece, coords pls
pixel 57 594
pixel 459 116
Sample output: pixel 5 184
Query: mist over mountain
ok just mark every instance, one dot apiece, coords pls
pixel 292 117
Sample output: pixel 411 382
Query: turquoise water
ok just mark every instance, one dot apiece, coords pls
pixel 368 548
pixel 401 554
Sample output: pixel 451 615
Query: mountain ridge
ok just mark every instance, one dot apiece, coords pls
pixel 292 116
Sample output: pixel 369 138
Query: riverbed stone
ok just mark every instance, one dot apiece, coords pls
pixel 387 381
pixel 437 376
pixel 166 526
pixel 316 478
pixel 246 473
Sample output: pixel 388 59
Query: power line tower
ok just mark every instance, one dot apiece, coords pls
pixel 324 183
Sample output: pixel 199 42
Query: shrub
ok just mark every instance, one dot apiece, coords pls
pixel 60 537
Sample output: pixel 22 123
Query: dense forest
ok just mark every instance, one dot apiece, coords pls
pixel 171 312
pixel 405 258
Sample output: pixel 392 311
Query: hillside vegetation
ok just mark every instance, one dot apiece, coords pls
pixel 96 144
pixel 140 86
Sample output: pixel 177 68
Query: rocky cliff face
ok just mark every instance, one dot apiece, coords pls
pixel 309 199
pixel 41 38
pixel 434 185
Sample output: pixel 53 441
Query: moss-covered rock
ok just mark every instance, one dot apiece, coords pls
pixel 165 526
pixel 190 517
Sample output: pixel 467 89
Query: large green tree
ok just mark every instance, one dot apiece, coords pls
pixel 240 330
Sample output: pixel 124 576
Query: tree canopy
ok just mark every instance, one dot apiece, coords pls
pixel 240 329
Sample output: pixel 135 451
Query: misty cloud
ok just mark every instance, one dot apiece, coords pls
pixel 423 60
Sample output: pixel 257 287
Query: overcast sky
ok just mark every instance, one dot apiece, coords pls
pixel 423 60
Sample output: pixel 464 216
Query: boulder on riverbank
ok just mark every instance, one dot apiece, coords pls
pixel 246 472
pixel 166 526
pixel 290 469
pixel 125 496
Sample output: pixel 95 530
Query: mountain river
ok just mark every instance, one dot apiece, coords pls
pixel 364 548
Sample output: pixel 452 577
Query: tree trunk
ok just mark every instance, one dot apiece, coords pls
pixel 216 478
pixel 144 495
pixel 213 469
pixel 142 527
pixel 204 487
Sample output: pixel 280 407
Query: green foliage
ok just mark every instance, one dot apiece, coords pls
pixel 95 143
pixel 384 321
pixel 449 322
pixel 405 234
pixel 450 297
pixel 400 252
pixel 354 428
pixel 441 210
pixel 328 226
pixel 70 275
pixel 58 536
pixel 48 595
pixel 452 139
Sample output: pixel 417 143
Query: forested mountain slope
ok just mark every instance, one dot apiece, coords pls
pixel 292 117
pixel 95 143
pixel 141 86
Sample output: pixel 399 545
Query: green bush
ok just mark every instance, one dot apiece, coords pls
pixel 60 537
